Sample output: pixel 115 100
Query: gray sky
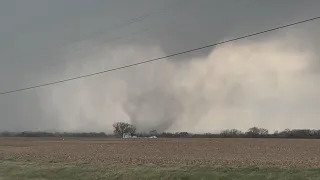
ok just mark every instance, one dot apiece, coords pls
pixel 39 37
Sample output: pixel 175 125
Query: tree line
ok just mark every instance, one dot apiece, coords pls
pixel 121 128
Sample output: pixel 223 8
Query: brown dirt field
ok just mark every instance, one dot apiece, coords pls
pixel 211 152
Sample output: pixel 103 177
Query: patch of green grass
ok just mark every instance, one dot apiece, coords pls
pixel 31 171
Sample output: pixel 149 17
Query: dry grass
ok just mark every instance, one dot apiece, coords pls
pixel 211 152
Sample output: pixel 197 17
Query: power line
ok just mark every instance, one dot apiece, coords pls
pixel 163 57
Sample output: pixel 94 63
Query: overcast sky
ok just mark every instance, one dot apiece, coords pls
pixel 36 36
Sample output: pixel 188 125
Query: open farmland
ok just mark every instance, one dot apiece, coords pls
pixel 209 152
pixel 147 159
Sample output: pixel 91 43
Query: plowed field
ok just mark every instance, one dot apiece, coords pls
pixel 211 152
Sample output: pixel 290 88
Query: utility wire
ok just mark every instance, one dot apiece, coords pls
pixel 163 57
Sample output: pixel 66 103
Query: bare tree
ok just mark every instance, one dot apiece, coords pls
pixel 285 133
pixel 263 131
pixel 225 133
pixel 121 128
pixel 231 133
pixel 253 132
pixel 235 132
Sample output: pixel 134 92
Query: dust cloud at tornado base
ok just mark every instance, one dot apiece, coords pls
pixel 267 83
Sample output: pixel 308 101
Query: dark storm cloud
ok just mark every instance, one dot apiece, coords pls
pixel 36 36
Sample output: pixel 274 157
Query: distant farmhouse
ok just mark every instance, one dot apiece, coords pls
pixel 129 135
pixel 133 136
